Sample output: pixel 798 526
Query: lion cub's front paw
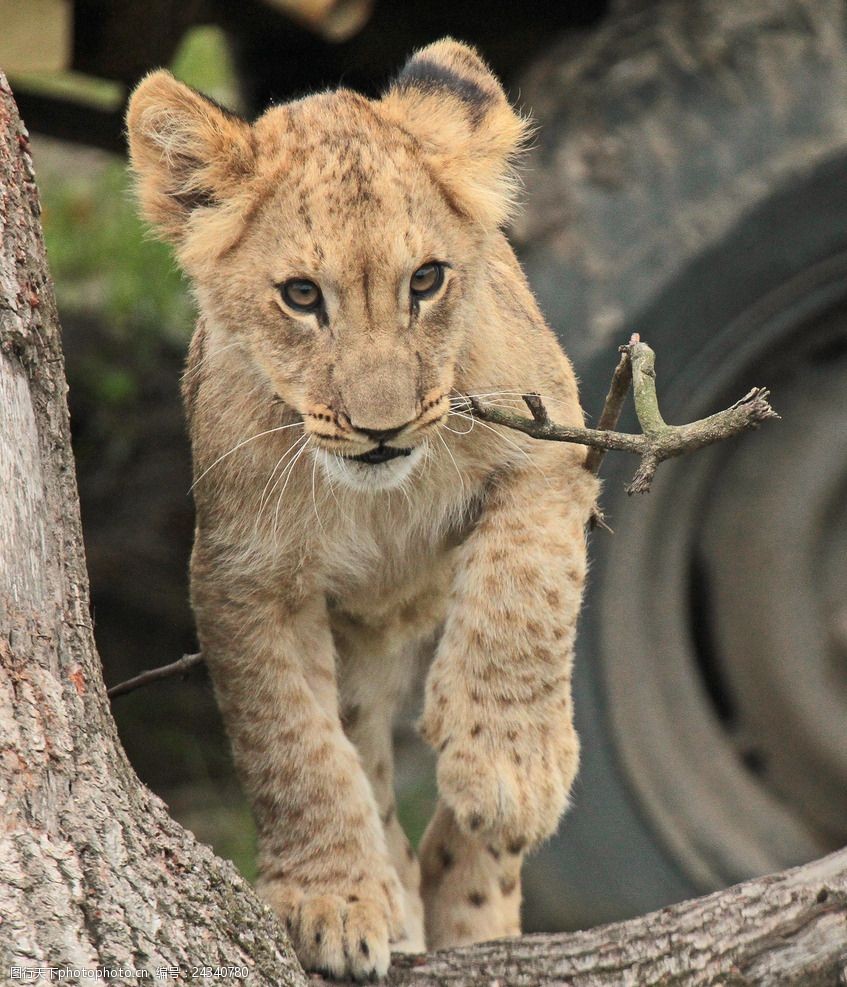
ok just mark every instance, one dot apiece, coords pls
pixel 340 931
pixel 508 792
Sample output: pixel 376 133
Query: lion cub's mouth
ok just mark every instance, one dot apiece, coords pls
pixel 382 454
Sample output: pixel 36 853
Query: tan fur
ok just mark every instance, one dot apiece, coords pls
pixel 318 582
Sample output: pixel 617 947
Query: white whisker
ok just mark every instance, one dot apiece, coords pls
pixel 235 448
pixel 455 431
pixel 506 407
pixel 405 492
pixel 518 395
pixel 455 464
pixel 186 374
pixel 328 474
pixel 506 439
pixel 289 470
pixel 268 491
pixel 314 498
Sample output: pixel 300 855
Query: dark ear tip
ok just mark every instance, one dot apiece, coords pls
pixel 455 69
pixel 451 49
pixel 454 56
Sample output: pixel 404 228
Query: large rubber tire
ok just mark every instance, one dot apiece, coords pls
pixel 690 184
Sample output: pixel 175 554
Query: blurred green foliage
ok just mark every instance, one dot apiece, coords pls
pixel 102 258
pixel 204 61
pixel 416 800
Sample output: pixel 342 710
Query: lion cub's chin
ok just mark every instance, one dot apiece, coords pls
pixel 367 476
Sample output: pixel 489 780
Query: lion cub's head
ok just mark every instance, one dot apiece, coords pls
pixel 340 238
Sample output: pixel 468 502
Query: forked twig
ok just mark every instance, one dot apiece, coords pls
pixel 613 405
pixel 657 442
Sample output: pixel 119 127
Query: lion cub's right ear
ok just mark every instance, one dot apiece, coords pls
pixel 187 152
pixel 449 99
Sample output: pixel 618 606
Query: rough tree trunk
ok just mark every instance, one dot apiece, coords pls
pixel 94 872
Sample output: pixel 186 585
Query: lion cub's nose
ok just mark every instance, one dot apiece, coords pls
pixel 380 434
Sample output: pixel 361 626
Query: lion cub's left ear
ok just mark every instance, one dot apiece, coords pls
pixel 449 99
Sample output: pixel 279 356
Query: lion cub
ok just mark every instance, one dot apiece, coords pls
pixel 352 280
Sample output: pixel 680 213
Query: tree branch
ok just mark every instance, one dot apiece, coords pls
pixel 784 929
pixel 657 442
pixel 180 667
pixel 613 405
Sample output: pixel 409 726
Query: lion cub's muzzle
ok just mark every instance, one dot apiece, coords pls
pixel 337 432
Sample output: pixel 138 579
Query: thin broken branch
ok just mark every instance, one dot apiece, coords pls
pixel 180 667
pixel 658 440
pixel 613 405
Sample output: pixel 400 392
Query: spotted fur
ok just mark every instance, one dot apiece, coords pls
pixel 320 583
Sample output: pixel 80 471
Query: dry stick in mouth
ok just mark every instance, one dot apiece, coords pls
pixel 657 442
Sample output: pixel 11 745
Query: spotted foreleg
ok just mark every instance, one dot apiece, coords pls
pixel 498 701
pixel 323 861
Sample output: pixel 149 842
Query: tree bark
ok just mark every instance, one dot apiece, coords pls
pixel 786 929
pixel 93 871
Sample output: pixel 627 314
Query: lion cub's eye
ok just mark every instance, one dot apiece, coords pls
pixel 427 280
pixel 300 294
